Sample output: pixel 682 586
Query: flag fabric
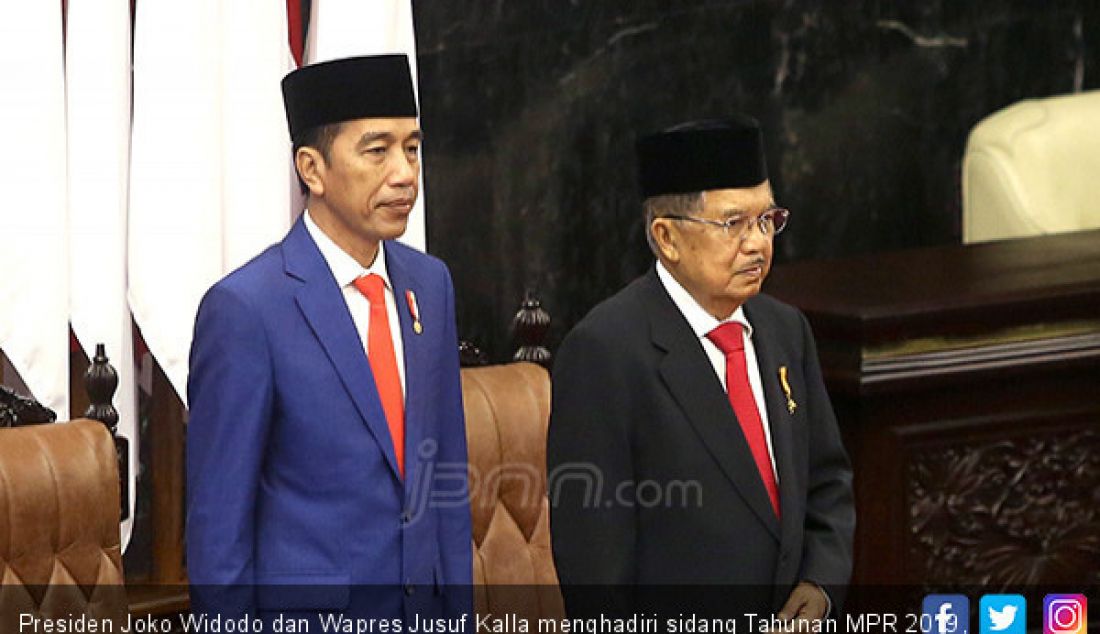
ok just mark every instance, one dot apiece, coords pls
pixel 256 185
pixel 209 179
pixel 296 36
pixel 34 256
pixel 142 208
pixel 97 86
pixel 345 28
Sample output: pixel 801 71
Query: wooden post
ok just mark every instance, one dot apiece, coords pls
pixel 101 381
pixel 167 468
pixel 529 329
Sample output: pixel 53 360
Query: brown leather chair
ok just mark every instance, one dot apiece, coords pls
pixel 60 556
pixel 507 413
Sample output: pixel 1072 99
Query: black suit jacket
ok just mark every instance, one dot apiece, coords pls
pixel 651 479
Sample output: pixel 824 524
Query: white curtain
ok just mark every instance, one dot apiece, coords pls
pixel 142 208
pixel 209 180
pixel 34 255
pixel 97 83
pixel 256 145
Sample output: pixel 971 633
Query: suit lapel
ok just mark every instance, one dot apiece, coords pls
pixel 690 378
pixel 779 422
pixel 323 306
pixel 414 350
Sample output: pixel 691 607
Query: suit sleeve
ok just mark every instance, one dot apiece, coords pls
pixel 591 472
pixel 456 540
pixel 830 504
pixel 230 397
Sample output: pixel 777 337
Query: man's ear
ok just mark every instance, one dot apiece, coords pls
pixel 665 239
pixel 311 168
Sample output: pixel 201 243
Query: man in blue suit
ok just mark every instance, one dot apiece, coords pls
pixel 326 462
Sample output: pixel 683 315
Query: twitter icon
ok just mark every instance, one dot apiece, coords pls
pixel 1003 614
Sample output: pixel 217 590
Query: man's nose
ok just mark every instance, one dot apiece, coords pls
pixel 403 172
pixel 754 239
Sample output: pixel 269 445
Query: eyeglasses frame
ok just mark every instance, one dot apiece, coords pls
pixel 729 223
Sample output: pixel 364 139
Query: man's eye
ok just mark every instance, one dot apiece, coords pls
pixel 413 150
pixel 376 150
pixel 735 223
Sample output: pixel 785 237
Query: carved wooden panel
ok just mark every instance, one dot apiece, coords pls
pixel 1004 512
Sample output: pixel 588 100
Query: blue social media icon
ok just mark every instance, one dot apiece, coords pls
pixel 1002 614
pixel 945 614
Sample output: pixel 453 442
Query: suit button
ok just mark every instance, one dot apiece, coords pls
pixel 406 517
pixel 410 589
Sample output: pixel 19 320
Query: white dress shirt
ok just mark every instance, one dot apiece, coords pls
pixel 346 270
pixel 701 323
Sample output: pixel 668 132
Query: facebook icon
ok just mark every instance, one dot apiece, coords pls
pixel 945 614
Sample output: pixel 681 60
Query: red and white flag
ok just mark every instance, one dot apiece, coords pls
pixel 209 184
pixel 97 83
pixel 34 245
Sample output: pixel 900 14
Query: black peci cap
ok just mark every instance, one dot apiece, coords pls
pixel 702 155
pixel 347 89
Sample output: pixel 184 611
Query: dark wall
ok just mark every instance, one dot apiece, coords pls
pixel 531 107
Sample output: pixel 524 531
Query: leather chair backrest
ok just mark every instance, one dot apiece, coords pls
pixel 60 556
pixel 507 413
pixel 1031 169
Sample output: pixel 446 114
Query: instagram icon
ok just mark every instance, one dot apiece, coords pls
pixel 1065 614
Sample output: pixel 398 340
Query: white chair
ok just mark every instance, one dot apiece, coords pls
pixel 1033 169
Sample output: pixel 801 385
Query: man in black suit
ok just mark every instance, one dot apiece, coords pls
pixel 691 438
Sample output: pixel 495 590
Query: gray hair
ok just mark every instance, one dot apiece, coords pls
pixel 669 204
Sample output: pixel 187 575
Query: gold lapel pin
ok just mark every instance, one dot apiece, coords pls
pixel 791 405
pixel 414 311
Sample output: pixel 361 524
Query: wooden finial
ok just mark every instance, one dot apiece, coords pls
pixel 529 328
pixel 101 381
pixel 470 356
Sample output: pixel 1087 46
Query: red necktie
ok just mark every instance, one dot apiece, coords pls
pixel 383 363
pixel 730 341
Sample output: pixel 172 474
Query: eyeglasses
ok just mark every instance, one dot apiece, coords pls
pixel 770 223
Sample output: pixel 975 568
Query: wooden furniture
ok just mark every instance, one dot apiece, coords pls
pixel 507 411
pixel 17 410
pixel 967 385
pixel 60 556
pixel 62 488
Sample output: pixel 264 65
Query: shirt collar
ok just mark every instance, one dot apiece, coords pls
pixel 344 267
pixel 700 321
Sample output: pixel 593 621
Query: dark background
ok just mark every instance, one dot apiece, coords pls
pixel 530 110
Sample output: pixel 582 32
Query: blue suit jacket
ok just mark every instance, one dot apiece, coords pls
pixel 292 480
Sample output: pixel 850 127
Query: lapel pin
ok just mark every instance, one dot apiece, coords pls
pixel 414 311
pixel 791 405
